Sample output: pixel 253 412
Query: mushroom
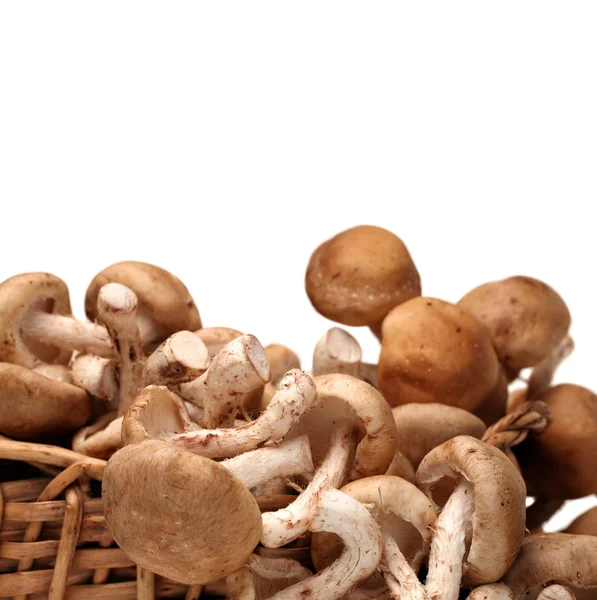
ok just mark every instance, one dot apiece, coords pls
pixel 281 360
pixel 585 524
pixel 215 338
pixel 526 319
pixel 543 374
pixel 56 372
pixel 263 577
pixel 165 304
pixel 238 369
pixel 338 513
pixel 559 464
pixel 339 352
pixel 481 525
pixel 344 404
pixel 34 407
pixel 422 427
pixel 296 394
pixel 401 467
pixel 556 591
pixel 166 507
pixel 495 405
pixel 433 351
pixel 554 557
pixel 404 513
pixel 491 591
pixel 359 275
pixel 37 326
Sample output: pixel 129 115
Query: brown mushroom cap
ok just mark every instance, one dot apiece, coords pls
pixel 162 296
pixel 554 557
pixel 177 514
pixel 561 461
pixel 359 275
pixel 406 513
pixel 20 294
pixel 526 318
pixel 33 406
pixel 422 427
pixel 215 338
pixel 498 522
pixel 585 524
pixel 433 351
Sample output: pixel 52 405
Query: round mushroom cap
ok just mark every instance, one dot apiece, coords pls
pixel 344 397
pixel 560 463
pixel 585 524
pixel 498 523
pixel 178 514
pixel 554 557
pixel 422 427
pixel 35 407
pixel 526 318
pixel 163 298
pixel 18 296
pixel 215 338
pixel 359 275
pixel 404 511
pixel 433 351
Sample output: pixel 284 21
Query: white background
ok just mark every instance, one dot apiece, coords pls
pixel 225 141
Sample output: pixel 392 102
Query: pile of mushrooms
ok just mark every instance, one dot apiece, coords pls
pixel 232 470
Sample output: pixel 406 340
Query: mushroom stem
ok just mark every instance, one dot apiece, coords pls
pixel 67 332
pixel 97 375
pixel 338 513
pixel 556 591
pixel 296 394
pixel 448 544
pixel 238 369
pixel 240 586
pixel 117 307
pixel 181 358
pixel 401 580
pixel 258 466
pixel 491 591
pixel 284 525
pixel 543 374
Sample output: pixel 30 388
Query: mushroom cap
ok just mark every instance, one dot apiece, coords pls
pixel 34 407
pixel 156 413
pixel 160 293
pixel 498 522
pixel 359 275
pixel 405 512
pixel 178 514
pixel 561 461
pixel 343 397
pixel 554 557
pixel 401 467
pixel 433 351
pixel 526 318
pixel 585 524
pixel 422 427
pixel 215 338
pixel 20 294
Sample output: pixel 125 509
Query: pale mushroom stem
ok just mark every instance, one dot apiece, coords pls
pixel 296 394
pixel 338 513
pixel 117 307
pixel 400 578
pixel 284 525
pixel 491 591
pixel 556 591
pixel 543 374
pixel 258 466
pixel 97 375
pixel 448 544
pixel 67 332
pixel 239 585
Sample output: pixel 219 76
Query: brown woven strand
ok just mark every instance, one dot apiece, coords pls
pixel 511 430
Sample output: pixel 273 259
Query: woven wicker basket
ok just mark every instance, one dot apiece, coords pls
pixel 54 542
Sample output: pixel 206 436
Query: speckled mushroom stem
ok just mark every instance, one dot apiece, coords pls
pixel 238 369
pixel 258 466
pixel 448 544
pixel 296 394
pixel 67 332
pixel 97 375
pixel 400 578
pixel 338 513
pixel 543 374
pixel 284 525
pixel 117 308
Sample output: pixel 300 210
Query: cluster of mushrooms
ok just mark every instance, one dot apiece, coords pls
pixel 232 470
